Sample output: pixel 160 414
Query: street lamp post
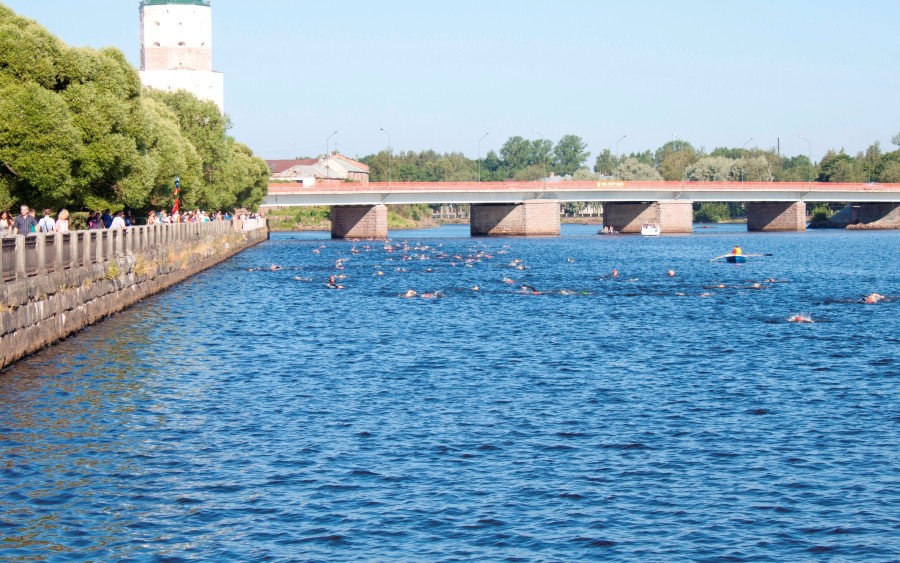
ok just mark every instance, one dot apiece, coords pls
pixel 390 158
pixel 617 155
pixel 479 154
pixel 328 155
pixel 809 156
pixel 544 156
pixel 742 147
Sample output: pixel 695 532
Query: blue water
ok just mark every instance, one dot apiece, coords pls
pixel 247 415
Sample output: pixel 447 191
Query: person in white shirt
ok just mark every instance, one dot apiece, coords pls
pixel 118 222
pixel 46 224
pixel 62 224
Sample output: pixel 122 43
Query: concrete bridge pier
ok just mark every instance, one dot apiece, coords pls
pixel 359 221
pixel 531 218
pixel 776 216
pixel 671 216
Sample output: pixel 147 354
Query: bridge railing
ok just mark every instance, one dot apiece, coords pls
pixel 572 185
pixel 36 254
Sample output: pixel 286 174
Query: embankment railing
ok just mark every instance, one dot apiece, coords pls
pixel 38 254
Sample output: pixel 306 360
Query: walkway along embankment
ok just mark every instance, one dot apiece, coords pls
pixel 54 285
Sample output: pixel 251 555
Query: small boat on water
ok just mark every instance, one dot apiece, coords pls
pixel 735 259
pixel 650 230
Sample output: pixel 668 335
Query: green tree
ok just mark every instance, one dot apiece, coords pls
pixel 870 162
pixel 839 167
pixel 605 163
pixel 673 158
pixel 569 154
pixel 711 169
pixel 542 155
pixel 584 174
pixel 634 169
pixel 516 154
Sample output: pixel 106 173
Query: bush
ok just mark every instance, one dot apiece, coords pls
pixel 821 213
pixel 712 213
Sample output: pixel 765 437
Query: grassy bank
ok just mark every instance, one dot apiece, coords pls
pixel 319 218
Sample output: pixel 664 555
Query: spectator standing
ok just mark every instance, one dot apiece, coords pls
pixel 62 223
pixel 106 218
pixel 118 222
pixel 6 223
pixel 46 224
pixel 24 223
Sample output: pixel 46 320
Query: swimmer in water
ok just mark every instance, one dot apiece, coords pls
pixel 873 298
pixel 800 318
pixel 408 294
pixel 671 273
pixel 530 290
pixel 615 273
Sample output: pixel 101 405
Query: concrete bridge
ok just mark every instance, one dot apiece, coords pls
pixel 533 208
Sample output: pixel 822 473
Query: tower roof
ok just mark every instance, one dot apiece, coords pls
pixel 163 2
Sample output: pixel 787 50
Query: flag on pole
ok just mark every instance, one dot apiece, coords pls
pixel 177 194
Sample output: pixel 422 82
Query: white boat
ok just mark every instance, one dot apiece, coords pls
pixel 650 230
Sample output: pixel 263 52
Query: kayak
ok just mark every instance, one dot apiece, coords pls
pixel 732 259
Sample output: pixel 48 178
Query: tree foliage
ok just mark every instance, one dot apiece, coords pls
pixel 569 155
pixel 78 131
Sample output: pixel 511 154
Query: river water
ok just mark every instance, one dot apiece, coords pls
pixel 250 414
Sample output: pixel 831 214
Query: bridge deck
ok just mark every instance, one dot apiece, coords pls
pixel 351 193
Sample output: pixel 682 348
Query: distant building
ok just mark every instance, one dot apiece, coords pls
pixel 176 49
pixel 333 167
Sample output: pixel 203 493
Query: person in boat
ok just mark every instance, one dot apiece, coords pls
pixel 737 251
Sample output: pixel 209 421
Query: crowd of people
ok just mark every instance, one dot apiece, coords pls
pixel 27 223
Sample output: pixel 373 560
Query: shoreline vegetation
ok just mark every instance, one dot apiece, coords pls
pixel 79 131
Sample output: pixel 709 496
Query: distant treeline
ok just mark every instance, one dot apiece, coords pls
pixel 78 131
pixel 524 159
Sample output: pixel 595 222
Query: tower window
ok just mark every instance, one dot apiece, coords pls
pixel 181 44
pixel 156 43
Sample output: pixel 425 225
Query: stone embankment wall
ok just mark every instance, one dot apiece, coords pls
pixel 56 284
pixel 863 216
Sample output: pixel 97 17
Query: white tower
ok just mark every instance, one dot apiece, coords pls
pixel 176 49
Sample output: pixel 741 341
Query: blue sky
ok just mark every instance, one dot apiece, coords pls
pixel 441 74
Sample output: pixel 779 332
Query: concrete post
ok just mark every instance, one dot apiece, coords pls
pixel 100 252
pixel 21 272
pixel 535 217
pixel 40 248
pixel 776 216
pixel 60 247
pixel 359 221
pixel 74 257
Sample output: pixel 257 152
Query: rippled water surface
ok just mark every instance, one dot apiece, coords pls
pixel 255 415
